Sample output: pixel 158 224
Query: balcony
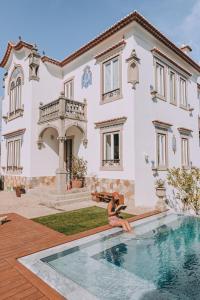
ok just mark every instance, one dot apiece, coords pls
pixel 62 108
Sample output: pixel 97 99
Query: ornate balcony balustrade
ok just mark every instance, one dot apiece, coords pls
pixel 62 108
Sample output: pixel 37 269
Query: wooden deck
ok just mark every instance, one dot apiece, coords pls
pixel 20 237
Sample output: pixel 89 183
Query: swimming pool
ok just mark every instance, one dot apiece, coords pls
pixel 161 260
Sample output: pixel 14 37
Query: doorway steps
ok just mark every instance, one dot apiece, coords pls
pixel 49 197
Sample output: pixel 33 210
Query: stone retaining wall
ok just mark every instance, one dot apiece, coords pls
pixel 125 187
pixel 29 182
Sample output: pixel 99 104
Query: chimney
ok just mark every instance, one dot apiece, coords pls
pixel 186 49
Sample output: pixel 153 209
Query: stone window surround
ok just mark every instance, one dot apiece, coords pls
pixel 109 126
pixel 107 55
pixel 66 81
pixel 186 134
pixel 158 61
pixel 183 137
pixel 162 128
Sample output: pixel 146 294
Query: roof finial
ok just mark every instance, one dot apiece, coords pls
pixel 20 38
pixel 43 52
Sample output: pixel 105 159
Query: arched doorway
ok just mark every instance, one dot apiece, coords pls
pixel 74 136
pixel 49 151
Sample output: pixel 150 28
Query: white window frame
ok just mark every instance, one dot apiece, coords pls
pixel 157 88
pixel 173 98
pixel 164 135
pixel 114 93
pixel 14 154
pixel 161 129
pixel 112 126
pixel 185 152
pixel 111 63
pixel 112 165
pixel 112 159
pixel 69 89
pixel 183 104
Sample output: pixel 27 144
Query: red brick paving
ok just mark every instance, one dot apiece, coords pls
pixel 20 237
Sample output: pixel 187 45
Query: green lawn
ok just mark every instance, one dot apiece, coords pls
pixel 76 221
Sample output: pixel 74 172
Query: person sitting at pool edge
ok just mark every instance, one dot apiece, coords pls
pixel 113 215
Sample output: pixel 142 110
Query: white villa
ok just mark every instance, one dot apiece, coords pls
pixel 127 102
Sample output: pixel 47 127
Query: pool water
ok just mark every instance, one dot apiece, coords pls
pixel 160 263
pixel 170 259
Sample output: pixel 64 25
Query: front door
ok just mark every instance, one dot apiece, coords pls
pixel 69 153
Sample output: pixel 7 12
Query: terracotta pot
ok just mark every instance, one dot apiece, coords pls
pixel 22 191
pixel 160 192
pixel 77 183
pixel 18 192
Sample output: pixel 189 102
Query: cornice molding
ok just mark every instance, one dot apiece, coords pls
pixel 157 54
pixel 14 133
pixel 161 125
pixel 111 122
pixel 110 51
pixel 185 131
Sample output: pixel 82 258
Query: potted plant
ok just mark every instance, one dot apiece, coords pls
pixel 22 189
pixel 79 170
pixel 17 190
pixel 160 188
pixel 161 194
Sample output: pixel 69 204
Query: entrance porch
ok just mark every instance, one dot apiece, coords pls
pixel 63 130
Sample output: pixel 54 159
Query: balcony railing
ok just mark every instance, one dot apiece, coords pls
pixel 111 162
pixel 62 108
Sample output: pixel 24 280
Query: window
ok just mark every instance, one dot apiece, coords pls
pixel 111 75
pixel 183 93
pixel 13 154
pixel 15 96
pixel 111 79
pixel 161 150
pixel 162 129
pixel 184 152
pixel 111 149
pixel 160 80
pixel 15 92
pixel 69 89
pixel 111 146
pixel 172 87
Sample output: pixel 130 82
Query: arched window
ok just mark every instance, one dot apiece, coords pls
pixel 15 90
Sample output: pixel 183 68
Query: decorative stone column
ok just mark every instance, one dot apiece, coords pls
pixel 61 172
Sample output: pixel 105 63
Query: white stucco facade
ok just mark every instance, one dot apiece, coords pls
pixel 133 113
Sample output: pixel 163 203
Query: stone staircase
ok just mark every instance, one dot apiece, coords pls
pixel 49 197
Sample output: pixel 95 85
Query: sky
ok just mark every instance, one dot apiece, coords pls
pixel 60 27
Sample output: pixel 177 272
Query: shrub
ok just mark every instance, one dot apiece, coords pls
pixel 79 167
pixel 187 187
